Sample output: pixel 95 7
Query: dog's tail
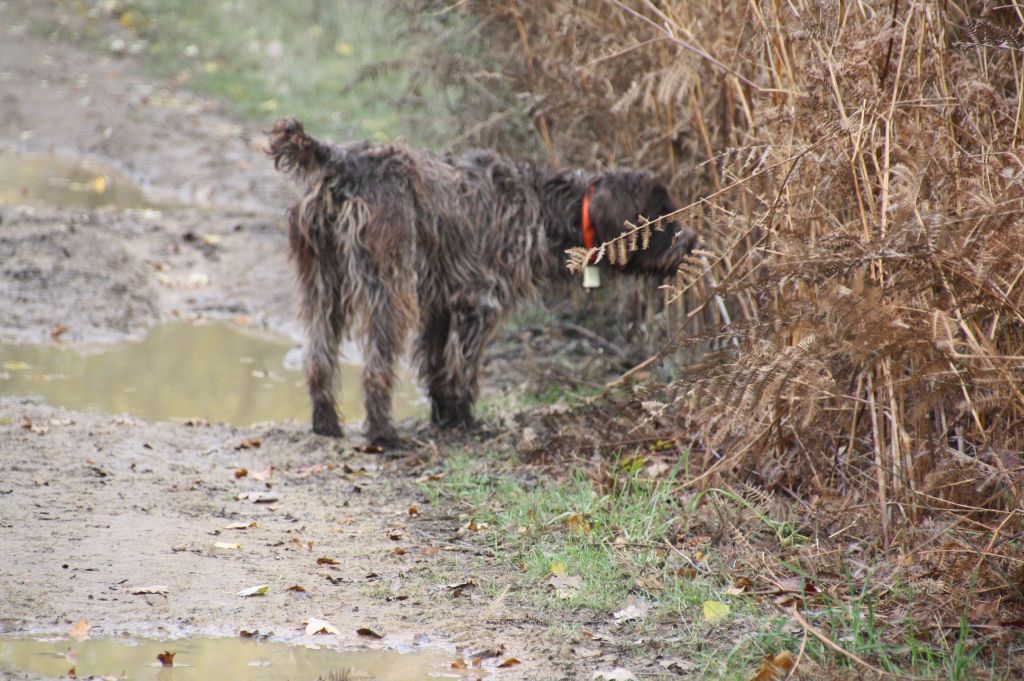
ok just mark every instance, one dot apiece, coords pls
pixel 295 152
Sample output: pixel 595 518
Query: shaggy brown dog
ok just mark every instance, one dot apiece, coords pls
pixel 394 238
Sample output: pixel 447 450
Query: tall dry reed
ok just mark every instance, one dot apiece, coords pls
pixel 856 173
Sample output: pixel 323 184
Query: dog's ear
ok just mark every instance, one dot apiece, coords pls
pixel 625 195
pixel 621 195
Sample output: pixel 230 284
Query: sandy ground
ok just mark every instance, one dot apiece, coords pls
pixel 93 506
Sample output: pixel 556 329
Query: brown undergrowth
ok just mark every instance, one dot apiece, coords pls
pixel 856 309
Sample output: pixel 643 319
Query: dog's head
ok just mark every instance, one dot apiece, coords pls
pixel 616 196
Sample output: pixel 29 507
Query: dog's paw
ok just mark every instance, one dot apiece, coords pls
pixel 328 427
pixel 325 421
pixel 386 440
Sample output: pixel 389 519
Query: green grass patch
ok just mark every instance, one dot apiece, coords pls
pixel 338 65
pixel 618 538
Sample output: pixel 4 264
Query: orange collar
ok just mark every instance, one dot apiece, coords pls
pixel 589 232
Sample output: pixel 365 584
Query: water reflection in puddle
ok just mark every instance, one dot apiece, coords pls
pixel 65 183
pixel 205 659
pixel 218 372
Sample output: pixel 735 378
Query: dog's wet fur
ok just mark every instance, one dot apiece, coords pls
pixel 387 239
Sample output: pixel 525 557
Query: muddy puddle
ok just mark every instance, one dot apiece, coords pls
pixel 218 372
pixel 47 179
pixel 203 659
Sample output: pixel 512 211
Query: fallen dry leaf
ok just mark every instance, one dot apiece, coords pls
pixel 459 664
pixel 369 633
pixel 577 523
pixel 618 674
pixel 636 609
pixel 715 611
pixel 676 663
pixel 242 526
pixel 166 658
pixel 249 443
pixel 264 475
pixel 241 472
pixel 460 587
pixel 258 497
pixel 318 626
pixel 775 667
pixel 565 585
pixel 325 560
pixel 297 588
pixel 80 631
pixel 510 662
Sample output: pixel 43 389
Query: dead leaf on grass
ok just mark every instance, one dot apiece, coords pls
pixel 775 667
pixel 565 586
pixel 459 588
pixel 635 609
pixel 166 658
pixel 317 626
pixel 650 584
pixel 80 631
pixel 715 611
pixel 676 664
pixel 578 523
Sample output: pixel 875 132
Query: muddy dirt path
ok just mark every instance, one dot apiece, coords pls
pixel 94 507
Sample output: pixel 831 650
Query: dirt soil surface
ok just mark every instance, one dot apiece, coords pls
pixel 95 506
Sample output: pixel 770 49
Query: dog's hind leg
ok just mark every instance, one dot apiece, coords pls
pixel 434 370
pixel 383 345
pixel 325 313
pixel 474 328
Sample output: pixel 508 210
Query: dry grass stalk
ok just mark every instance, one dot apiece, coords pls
pixel 856 171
